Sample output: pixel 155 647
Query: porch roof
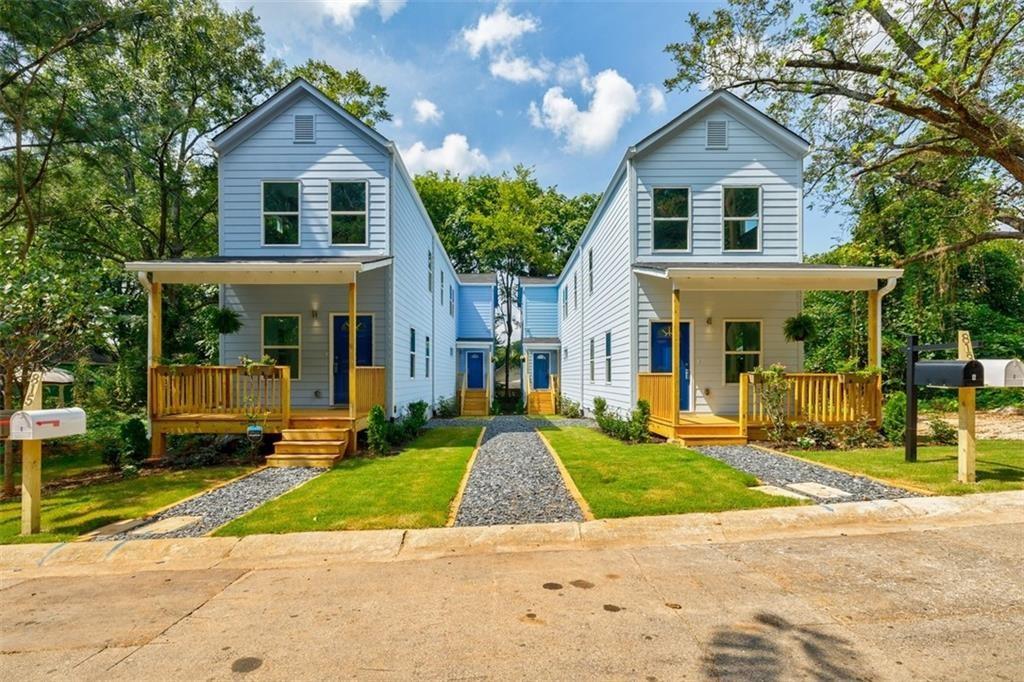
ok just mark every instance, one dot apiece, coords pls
pixel 258 269
pixel 542 341
pixel 762 276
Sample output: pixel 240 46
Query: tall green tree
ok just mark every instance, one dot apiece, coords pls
pixel 351 89
pixel 881 86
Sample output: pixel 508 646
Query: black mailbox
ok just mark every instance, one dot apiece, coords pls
pixel 949 373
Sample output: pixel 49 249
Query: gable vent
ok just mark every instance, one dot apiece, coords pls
pixel 717 134
pixel 305 129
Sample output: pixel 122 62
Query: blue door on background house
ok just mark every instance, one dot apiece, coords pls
pixel 661 356
pixel 541 372
pixel 364 352
pixel 475 369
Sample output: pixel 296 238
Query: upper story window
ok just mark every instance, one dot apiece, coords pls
pixel 442 287
pixel 565 301
pixel 671 219
pixel 282 341
pixel 304 128
pixel 348 213
pixel 281 213
pixel 741 211
pixel 575 291
pixel 451 300
pixel 412 353
pixel 590 270
pixel 717 133
pixel 430 271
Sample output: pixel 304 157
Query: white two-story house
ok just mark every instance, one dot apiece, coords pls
pixel 321 232
pixel 682 281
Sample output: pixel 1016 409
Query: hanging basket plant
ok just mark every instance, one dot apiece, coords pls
pixel 225 320
pixel 799 328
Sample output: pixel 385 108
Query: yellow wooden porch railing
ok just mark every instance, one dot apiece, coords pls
pixel 220 390
pixel 371 389
pixel 822 398
pixel 656 389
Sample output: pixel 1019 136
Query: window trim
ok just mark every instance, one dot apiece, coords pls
pixel 412 352
pixel 451 300
pixel 565 301
pixel 716 120
pixel 608 358
pixel 760 217
pixel 365 212
pixel 575 290
pixel 263 338
pixel 725 352
pixel 263 214
pixel 430 271
pixel 590 271
pixel 426 357
pixel 689 218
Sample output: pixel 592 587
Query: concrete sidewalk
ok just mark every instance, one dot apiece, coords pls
pixel 929 588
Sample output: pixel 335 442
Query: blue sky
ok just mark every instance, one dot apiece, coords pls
pixel 479 87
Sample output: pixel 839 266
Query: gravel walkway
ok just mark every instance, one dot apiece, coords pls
pixel 438 422
pixel 219 506
pixel 783 471
pixel 515 480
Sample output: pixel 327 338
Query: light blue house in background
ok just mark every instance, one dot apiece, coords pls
pixel 321 231
pixel 538 307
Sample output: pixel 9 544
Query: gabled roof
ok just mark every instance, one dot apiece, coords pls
pixel 282 99
pixel 747 113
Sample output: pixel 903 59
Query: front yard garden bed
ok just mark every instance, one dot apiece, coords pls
pixel 413 489
pixel 1000 466
pixel 66 514
pixel 619 480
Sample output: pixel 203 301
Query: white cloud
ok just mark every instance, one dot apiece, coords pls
pixel 655 99
pixel 343 13
pixel 500 29
pixel 426 111
pixel 572 70
pixel 398 121
pixel 453 155
pixel 520 69
pixel 594 129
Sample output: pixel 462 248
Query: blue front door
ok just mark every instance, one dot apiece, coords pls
pixel 661 356
pixel 475 369
pixel 364 352
pixel 541 372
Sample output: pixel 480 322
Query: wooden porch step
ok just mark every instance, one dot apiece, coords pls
pixel 687 441
pixel 311 447
pixel 320 423
pixel 315 434
pixel 322 461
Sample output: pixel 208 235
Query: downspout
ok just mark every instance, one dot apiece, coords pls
pixel 889 285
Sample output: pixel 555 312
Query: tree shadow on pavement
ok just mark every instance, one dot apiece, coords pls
pixel 772 648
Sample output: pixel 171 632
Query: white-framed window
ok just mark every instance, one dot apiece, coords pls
pixel 671 222
pixel 442 288
pixel 591 360
pixel 451 300
pixel 590 271
pixel 608 357
pixel 430 271
pixel 575 291
pixel 426 356
pixel 743 348
pixel 741 218
pixel 280 212
pixel 281 339
pixel 304 128
pixel 412 353
pixel 565 301
pixel 348 212
pixel 716 134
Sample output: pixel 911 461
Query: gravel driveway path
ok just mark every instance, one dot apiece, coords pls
pixel 226 503
pixel 784 472
pixel 515 480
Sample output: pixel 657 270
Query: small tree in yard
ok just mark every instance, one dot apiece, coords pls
pixel 772 386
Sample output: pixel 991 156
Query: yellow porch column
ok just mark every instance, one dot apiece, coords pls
pixel 874 329
pixel 675 355
pixel 352 349
pixel 157 440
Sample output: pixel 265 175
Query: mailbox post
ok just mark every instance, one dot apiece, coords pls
pixel 31 426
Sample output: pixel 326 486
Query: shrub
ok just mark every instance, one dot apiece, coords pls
pixel 817 437
pixel 636 429
pixel 773 387
pixel 135 440
pixel 110 453
pixel 203 450
pixel 858 435
pixel 446 408
pixel 567 407
pixel 129 471
pixel 942 433
pixel 415 420
pixel 378 431
pixel 894 417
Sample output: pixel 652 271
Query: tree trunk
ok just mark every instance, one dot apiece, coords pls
pixel 8 443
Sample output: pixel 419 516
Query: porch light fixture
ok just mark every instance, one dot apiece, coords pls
pixel 315 314
pixel 708 321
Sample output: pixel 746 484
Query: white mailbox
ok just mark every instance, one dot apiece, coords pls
pixel 43 424
pixel 1003 373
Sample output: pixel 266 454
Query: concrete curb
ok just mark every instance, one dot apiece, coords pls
pixel 881 481
pixel 258 552
pixel 453 510
pixel 570 484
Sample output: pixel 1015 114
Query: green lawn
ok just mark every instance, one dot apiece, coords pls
pixel 413 489
pixel 1000 466
pixel 70 513
pixel 65 465
pixel 646 480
